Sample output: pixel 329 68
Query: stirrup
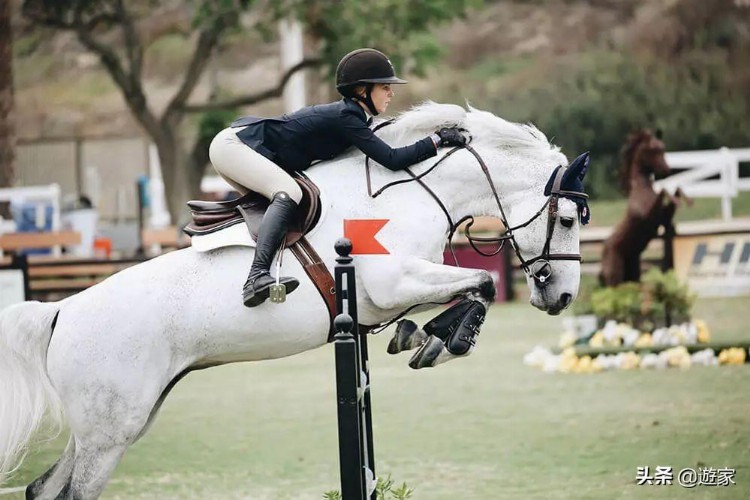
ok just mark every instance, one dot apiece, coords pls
pixel 258 290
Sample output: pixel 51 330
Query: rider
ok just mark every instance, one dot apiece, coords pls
pixel 259 154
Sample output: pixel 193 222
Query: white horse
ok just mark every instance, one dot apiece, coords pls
pixel 107 357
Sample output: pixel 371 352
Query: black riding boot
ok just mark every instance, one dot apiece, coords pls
pixel 273 228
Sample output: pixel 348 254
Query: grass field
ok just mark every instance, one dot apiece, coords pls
pixel 609 212
pixel 485 427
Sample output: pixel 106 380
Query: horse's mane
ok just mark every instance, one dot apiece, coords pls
pixel 627 156
pixel 484 127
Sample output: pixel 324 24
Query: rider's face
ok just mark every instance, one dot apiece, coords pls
pixel 382 93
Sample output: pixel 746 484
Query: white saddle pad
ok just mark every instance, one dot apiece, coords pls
pixel 236 235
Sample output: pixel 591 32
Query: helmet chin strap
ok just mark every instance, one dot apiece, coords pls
pixel 367 99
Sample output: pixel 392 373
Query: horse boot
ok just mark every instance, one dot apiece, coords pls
pixel 446 322
pixel 458 326
pixel 273 229
pixel 464 336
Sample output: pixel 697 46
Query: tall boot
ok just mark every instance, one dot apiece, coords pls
pixel 273 228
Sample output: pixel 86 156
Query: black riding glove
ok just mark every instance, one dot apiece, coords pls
pixel 451 137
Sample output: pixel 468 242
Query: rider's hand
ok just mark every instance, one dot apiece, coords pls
pixel 451 137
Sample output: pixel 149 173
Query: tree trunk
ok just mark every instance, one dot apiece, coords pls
pixel 7 114
pixel 181 176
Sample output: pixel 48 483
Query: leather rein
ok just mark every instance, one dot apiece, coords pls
pixel 537 267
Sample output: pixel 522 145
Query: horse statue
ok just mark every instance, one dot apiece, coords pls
pixel 642 159
pixel 107 357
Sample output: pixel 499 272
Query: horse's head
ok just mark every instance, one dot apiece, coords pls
pixel 643 154
pixel 523 180
pixel 548 246
pixel 542 202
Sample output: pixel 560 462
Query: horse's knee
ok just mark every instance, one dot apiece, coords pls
pixel 487 289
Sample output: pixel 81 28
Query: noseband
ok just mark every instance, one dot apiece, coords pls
pixel 537 267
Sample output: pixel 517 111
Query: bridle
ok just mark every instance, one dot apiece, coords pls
pixel 538 267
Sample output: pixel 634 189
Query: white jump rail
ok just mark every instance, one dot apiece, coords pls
pixel 700 166
pixel 41 195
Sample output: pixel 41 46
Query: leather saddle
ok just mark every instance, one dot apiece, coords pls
pixel 212 216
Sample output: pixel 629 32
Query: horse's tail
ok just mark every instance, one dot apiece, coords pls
pixel 26 393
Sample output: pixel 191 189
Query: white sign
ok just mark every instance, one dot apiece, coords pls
pixel 715 265
pixel 12 289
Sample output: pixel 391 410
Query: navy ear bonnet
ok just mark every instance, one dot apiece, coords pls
pixel 571 185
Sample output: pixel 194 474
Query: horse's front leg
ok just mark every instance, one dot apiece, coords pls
pixel 679 195
pixel 408 282
pixel 667 207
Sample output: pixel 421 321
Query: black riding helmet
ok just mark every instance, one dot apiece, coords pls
pixel 364 67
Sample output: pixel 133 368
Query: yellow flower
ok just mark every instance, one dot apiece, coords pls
pixel 678 356
pixel 567 339
pixel 704 334
pixel 644 340
pixel 568 364
pixel 630 361
pixel 568 352
pixel 732 356
pixel 685 362
pixel 584 365
pixel 597 340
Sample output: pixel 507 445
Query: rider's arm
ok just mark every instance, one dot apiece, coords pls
pixel 360 135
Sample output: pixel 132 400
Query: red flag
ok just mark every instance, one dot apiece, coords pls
pixel 362 233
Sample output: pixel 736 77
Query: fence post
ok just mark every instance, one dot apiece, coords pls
pixel 356 454
pixel 729 176
pixel 667 263
pixel 21 262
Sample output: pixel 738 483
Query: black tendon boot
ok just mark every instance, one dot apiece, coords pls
pixel 273 228
pixel 458 326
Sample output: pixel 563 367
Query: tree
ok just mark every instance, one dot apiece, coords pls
pixel 7 116
pixel 340 25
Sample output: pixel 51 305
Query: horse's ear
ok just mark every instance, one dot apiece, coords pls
pixel 577 169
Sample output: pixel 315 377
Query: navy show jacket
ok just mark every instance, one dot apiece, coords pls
pixel 321 132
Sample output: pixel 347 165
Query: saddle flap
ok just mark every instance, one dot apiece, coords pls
pixel 200 206
pixel 210 216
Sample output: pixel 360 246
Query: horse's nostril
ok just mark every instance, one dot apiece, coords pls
pixel 565 299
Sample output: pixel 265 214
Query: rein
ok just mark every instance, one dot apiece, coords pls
pixel 537 267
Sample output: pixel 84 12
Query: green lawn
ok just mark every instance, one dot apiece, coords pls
pixel 609 212
pixel 485 427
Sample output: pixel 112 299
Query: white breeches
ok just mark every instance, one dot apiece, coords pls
pixel 246 169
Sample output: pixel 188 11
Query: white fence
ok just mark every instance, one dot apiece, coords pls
pixel 700 166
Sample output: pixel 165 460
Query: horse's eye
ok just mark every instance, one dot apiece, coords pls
pixel 567 221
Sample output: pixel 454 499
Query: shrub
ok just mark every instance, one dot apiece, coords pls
pixel 658 300
pixel 592 102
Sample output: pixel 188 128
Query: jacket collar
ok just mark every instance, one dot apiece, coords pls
pixel 351 103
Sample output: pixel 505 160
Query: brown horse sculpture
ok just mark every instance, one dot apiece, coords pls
pixel 642 160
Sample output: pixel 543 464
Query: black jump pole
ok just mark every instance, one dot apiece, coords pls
pixel 356 454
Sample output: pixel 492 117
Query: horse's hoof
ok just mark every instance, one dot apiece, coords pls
pixel 428 354
pixel 408 336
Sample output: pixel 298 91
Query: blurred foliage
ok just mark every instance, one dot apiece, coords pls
pixel 212 122
pixel 683 70
pixel 399 28
pixel 582 304
pixel 592 106
pixel 384 490
pixel 660 299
